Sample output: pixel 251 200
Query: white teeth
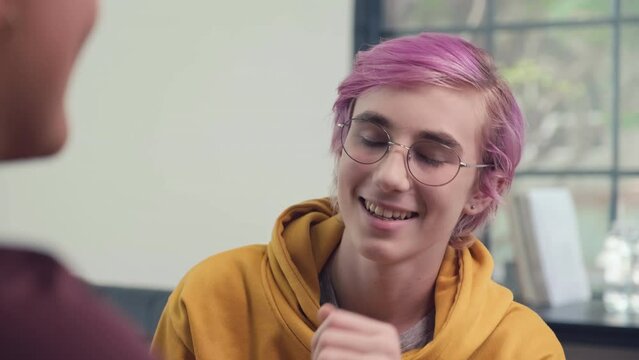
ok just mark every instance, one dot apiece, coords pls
pixel 386 213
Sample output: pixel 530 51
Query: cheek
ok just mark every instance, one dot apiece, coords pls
pixel 443 210
pixel 444 204
pixel 350 173
pixel 343 178
pixel 350 177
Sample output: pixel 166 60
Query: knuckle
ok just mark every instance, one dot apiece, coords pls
pixel 329 354
pixel 390 330
pixel 326 340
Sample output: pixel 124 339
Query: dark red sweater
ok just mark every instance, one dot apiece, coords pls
pixel 47 313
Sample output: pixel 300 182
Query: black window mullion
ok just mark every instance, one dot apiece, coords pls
pixel 512 26
pixel 490 27
pixel 578 172
pixel 368 24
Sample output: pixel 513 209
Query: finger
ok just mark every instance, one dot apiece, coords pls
pixel 325 311
pixel 342 354
pixel 347 320
pixel 350 340
pixel 344 329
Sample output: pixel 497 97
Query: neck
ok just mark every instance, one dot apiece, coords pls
pixel 400 293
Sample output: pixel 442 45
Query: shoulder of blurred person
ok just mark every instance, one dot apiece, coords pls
pixel 48 313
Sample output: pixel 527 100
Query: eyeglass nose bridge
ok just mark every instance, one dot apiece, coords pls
pixel 391 143
pixel 405 159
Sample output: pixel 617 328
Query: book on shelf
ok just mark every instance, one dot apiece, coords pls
pixel 547 248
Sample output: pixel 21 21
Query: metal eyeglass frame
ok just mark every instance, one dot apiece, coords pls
pixel 390 142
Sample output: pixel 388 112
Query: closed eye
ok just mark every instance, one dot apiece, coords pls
pixel 429 160
pixel 373 143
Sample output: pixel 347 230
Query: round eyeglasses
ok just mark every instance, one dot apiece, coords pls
pixel 430 162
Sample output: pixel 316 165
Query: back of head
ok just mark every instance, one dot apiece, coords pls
pixel 448 61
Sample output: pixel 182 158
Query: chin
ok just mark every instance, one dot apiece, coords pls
pixel 53 135
pixel 53 143
pixel 381 251
pixel 53 147
pixel 34 150
pixel 42 142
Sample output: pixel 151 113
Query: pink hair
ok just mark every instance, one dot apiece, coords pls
pixel 449 61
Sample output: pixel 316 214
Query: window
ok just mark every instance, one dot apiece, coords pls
pixel 570 64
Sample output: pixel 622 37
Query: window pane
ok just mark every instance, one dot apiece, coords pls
pixel 477 38
pixel 552 10
pixel 629 200
pixel 629 8
pixel 591 197
pixel 414 15
pixel 629 114
pixel 562 82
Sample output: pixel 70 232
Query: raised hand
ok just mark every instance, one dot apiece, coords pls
pixel 347 335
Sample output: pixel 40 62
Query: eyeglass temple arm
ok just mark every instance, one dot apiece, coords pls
pixel 463 164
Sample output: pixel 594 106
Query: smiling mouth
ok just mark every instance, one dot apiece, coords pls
pixel 380 212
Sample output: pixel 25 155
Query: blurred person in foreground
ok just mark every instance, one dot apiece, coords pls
pixel 46 312
pixel 426 138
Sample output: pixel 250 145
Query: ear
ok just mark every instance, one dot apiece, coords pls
pixel 476 204
pixel 479 201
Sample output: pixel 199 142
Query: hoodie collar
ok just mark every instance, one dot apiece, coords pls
pixel 468 304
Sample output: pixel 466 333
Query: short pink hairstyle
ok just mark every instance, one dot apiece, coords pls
pixel 449 61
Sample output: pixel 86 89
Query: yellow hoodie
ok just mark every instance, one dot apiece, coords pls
pixel 260 301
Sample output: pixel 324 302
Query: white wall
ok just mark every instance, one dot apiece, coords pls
pixel 193 125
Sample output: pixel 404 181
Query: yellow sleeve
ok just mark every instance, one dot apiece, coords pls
pixel 172 339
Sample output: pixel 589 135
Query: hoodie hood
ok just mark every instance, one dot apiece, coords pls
pixel 468 304
pixel 304 237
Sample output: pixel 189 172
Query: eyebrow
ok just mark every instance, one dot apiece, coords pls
pixel 437 136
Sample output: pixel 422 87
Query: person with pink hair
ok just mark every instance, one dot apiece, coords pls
pixel 426 139
pixel 45 311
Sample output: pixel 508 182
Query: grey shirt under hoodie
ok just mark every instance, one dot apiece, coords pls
pixel 416 337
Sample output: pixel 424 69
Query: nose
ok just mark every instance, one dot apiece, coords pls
pixel 391 174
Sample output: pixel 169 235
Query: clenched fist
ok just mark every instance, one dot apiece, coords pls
pixel 346 335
